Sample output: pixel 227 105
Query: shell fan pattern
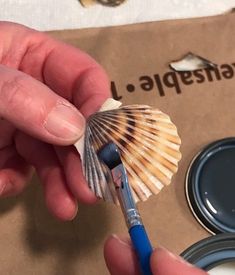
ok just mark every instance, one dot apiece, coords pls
pixel 148 143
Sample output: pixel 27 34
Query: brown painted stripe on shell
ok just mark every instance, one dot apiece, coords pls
pixel 155 132
pixel 135 112
pixel 151 121
pixel 132 109
pixel 143 177
pixel 127 132
pixel 165 128
pixel 98 123
pixel 139 119
pixel 153 153
pixel 148 136
pixel 137 189
pixel 127 139
pixel 168 130
pixel 148 155
pixel 106 130
pixel 137 138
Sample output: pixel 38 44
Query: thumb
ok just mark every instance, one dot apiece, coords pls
pixel 35 109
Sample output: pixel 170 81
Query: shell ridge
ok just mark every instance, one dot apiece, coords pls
pixel 106 192
pixel 122 149
pixel 148 143
pixel 143 131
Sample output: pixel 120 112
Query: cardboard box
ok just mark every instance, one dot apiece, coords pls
pixel 201 104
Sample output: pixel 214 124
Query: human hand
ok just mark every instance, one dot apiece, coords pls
pixel 120 258
pixel 41 80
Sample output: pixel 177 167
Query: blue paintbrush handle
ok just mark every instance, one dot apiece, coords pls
pixel 142 246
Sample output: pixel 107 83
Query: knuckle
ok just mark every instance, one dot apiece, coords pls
pixel 12 91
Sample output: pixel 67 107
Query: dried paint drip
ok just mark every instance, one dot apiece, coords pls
pixel 148 142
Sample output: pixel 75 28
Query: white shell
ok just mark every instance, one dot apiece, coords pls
pixel 191 62
pixel 149 145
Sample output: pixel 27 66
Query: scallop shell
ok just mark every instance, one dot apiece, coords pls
pixel 191 62
pixel 88 3
pixel 109 3
pixel 149 146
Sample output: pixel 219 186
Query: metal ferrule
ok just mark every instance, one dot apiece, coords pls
pixel 126 199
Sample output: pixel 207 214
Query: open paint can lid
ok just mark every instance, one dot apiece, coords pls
pixel 211 254
pixel 210 186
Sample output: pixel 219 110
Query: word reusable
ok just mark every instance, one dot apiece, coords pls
pixel 175 81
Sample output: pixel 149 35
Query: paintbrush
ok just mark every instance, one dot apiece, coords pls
pixel 110 155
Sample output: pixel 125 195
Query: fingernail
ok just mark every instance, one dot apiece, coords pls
pixel 6 188
pixel 2 187
pixel 114 236
pixel 75 213
pixel 175 257
pixel 65 121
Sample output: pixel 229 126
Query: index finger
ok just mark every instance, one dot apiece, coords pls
pixel 65 69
